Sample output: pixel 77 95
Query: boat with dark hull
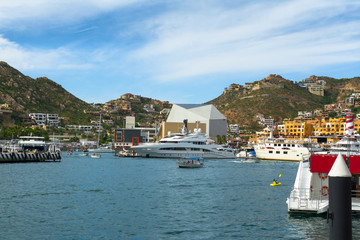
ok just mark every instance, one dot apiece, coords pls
pixel 29 149
pixel 190 162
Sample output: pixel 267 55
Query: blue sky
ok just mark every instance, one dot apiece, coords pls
pixel 182 51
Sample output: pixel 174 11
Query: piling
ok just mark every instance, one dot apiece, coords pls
pixel 339 213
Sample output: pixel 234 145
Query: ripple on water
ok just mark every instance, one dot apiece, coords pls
pixel 126 198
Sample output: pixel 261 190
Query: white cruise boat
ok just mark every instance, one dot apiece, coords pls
pixel 311 187
pixel 183 145
pixel 284 150
pixel 31 143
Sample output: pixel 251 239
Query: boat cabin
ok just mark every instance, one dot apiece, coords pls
pixel 322 164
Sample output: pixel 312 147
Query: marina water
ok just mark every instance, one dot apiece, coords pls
pixel 139 198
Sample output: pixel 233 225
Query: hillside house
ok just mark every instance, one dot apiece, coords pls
pixel 350 101
pixel 149 108
pixel 248 86
pixel 80 128
pixel 318 112
pixel 329 107
pixel 42 119
pixel 316 89
pixel 234 128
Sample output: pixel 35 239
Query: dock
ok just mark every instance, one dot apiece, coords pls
pixel 18 157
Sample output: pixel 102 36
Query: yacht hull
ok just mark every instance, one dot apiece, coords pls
pixel 281 154
pixel 159 151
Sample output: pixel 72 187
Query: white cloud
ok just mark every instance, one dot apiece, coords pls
pixel 187 39
pixel 266 36
pixel 29 59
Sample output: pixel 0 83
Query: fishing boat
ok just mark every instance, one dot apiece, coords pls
pixel 185 144
pixel 310 193
pixel 190 162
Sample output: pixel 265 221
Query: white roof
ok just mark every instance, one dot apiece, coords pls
pixel 194 112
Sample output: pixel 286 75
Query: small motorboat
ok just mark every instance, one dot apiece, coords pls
pixel 126 153
pixel 251 160
pixel 95 155
pixel 84 154
pixel 190 162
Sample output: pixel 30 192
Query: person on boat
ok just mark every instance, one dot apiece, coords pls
pixel 274 181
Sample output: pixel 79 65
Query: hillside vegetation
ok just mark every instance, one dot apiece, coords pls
pixel 25 94
pixel 279 98
pixel 272 96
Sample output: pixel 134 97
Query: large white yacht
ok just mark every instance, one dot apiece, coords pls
pixel 311 187
pixel 182 145
pixel 284 150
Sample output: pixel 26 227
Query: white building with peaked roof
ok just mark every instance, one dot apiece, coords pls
pixel 216 123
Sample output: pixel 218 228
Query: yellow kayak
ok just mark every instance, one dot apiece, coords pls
pixel 275 184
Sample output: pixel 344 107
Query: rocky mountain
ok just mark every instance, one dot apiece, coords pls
pixel 279 98
pixel 25 94
pixel 272 96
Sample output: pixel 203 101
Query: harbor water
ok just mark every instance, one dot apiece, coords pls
pixel 139 198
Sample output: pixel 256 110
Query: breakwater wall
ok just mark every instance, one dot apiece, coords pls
pixel 15 157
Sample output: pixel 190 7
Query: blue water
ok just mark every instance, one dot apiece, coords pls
pixel 135 198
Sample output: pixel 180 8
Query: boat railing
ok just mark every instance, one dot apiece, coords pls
pixel 307 198
pixel 313 199
pixel 313 193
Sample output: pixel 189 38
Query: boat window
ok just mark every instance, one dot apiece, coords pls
pixel 277 152
pixel 172 149
pixel 270 151
pixel 285 152
pixel 180 149
pixel 206 150
pixel 293 145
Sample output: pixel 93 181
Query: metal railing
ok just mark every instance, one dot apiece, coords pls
pixel 313 199
pixel 307 199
